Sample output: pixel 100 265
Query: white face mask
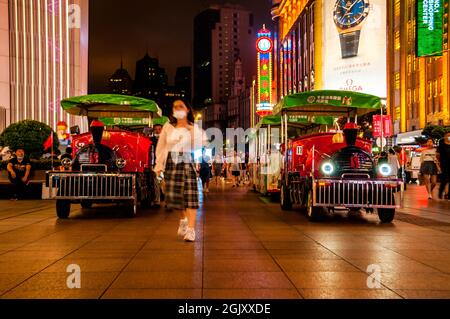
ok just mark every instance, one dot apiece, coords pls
pixel 180 114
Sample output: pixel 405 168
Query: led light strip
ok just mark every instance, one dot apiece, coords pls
pixel 16 67
pixel 32 56
pixel 25 66
pixel 39 9
pixel 61 64
pixel 47 60
pixel 67 56
pixel 54 61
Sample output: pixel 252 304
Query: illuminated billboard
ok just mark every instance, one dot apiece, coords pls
pixel 429 27
pixel 264 45
pixel 354 46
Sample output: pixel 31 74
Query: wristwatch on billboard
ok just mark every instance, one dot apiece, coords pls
pixel 349 16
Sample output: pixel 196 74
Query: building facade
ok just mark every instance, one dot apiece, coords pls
pixel 318 45
pixel 120 82
pixel 150 79
pixel 183 81
pixel 225 33
pixel 418 86
pixel 48 59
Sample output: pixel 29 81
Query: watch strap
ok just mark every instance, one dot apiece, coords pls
pixel 350 43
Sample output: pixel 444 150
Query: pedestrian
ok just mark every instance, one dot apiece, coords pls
pixel 179 139
pixel 218 167
pixel 205 171
pixel 428 167
pixel 443 154
pixel 236 169
pixel 393 162
pixel 156 179
pixel 5 153
pixel 19 168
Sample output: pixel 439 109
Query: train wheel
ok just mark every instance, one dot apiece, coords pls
pixel 314 213
pixel 63 208
pixel 86 204
pixel 131 209
pixel 386 215
pixel 285 198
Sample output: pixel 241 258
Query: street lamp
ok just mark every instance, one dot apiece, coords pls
pixel 198 116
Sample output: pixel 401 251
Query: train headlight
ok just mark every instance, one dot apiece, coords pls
pixel 120 163
pixel 327 168
pixel 385 170
pixel 66 163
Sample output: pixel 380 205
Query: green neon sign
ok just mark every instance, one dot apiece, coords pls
pixel 429 27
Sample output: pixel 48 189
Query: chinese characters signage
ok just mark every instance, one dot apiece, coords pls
pixel 387 126
pixel 264 46
pixel 429 27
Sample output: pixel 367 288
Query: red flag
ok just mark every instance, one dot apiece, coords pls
pixel 48 142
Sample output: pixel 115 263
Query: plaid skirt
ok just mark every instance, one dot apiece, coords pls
pixel 181 182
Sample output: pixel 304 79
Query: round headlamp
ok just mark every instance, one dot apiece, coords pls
pixel 327 168
pixel 385 170
pixel 120 163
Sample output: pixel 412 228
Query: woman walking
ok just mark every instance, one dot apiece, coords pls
pixel 428 167
pixel 205 171
pixel 236 170
pixel 218 168
pixel 179 138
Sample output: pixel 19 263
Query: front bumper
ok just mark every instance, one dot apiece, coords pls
pixel 91 186
pixel 357 193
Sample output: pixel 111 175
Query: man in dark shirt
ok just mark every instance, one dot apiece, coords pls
pixel 19 169
pixel 443 154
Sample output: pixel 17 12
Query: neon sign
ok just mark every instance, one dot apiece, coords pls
pixel 264 45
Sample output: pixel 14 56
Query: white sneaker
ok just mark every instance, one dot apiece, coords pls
pixel 182 229
pixel 190 235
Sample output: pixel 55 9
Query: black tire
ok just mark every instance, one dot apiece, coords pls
pixel 386 215
pixel 86 204
pixel 63 208
pixel 131 210
pixel 285 198
pixel 314 213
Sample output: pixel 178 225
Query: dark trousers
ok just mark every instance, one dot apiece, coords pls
pixel 445 179
pixel 19 187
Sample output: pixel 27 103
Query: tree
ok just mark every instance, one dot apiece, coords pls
pixel 29 135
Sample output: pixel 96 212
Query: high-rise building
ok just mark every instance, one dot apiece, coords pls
pixel 120 82
pixel 315 49
pixel 183 81
pixel 43 59
pixel 222 34
pixel 150 80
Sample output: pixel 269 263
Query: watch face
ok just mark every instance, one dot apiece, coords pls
pixel 350 13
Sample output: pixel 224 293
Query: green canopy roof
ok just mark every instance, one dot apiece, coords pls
pixel 300 120
pixel 329 102
pixel 111 105
pixel 127 121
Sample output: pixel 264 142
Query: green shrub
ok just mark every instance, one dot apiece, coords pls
pixel 29 135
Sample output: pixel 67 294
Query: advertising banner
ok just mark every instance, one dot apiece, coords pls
pixel 387 126
pixel 354 46
pixel 429 27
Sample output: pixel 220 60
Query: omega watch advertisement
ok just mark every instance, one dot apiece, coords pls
pixel 354 45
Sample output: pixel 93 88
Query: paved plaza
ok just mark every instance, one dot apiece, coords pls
pixel 246 248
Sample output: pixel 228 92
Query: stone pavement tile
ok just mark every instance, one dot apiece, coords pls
pixel 28 266
pixel 9 281
pixel 54 294
pixel 152 280
pixel 401 265
pixel 334 293
pixel 100 254
pixel 214 237
pixel 375 254
pixel 414 245
pixel 255 280
pixel 17 256
pixel 284 238
pixel 153 294
pixel 423 255
pixel 165 264
pixel 251 294
pixel 271 245
pixel 344 244
pixel 58 281
pixel 173 244
pixel 256 264
pixel 416 281
pixel 424 294
pixel 225 254
pixel 441 265
pixel 245 245
pixel 343 280
pixel 169 253
pixel 315 265
pixel 89 264
pixel 319 253
pixel 113 246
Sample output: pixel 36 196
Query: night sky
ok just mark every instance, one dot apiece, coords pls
pixel 163 27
